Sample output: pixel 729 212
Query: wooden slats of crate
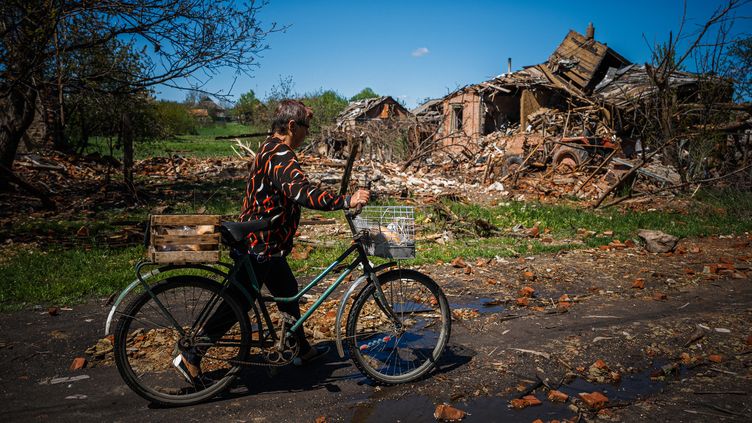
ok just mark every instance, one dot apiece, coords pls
pixel 168 243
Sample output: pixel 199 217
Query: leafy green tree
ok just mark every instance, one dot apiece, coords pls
pixel 174 119
pixel 365 93
pixel 326 106
pixel 249 109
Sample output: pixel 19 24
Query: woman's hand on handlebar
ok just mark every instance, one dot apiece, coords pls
pixel 359 199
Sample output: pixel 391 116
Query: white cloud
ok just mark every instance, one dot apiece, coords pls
pixel 418 52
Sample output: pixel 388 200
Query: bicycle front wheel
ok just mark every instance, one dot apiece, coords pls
pixel 171 319
pixel 389 351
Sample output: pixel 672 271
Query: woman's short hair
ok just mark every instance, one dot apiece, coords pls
pixel 288 110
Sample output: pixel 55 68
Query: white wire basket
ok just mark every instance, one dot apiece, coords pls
pixel 391 231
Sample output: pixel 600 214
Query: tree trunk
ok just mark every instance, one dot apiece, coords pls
pixel 126 140
pixel 15 118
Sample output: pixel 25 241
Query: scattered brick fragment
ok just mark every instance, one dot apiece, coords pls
pixel 518 403
pixel 638 283
pixel 594 400
pixel 557 396
pixel 715 358
pixel 629 243
pixel 522 302
pixel 660 296
pixel 526 292
pixel 600 364
pixel 445 412
pixel 78 363
pixel 459 263
pixel 532 400
pixel 526 401
pixel 528 275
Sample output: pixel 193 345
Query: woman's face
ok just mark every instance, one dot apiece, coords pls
pixel 299 131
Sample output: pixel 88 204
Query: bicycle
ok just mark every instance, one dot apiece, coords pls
pixel 397 325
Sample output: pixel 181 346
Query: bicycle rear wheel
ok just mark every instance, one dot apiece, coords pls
pixel 156 327
pixel 391 353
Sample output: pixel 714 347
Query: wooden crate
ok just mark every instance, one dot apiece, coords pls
pixel 184 238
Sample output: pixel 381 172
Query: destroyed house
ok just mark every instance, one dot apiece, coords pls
pixel 370 110
pixel 580 62
pixel 506 102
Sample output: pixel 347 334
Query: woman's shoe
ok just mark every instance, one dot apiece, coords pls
pixel 315 353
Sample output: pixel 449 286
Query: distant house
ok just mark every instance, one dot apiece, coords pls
pixel 379 109
pixel 376 122
pixel 206 111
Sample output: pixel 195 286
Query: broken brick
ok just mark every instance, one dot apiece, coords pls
pixel 629 243
pixel 594 400
pixel 526 292
pixel 445 412
pixel 660 296
pixel 528 275
pixel 522 302
pixel 320 419
pixel 563 305
pixel 518 403
pixel 617 244
pixel 458 263
pixel 557 396
pixel 531 400
pixel 638 283
pixel 604 247
pixel 600 364
pixel 715 358
pixel 78 363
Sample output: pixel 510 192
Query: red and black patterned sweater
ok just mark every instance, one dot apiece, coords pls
pixel 276 189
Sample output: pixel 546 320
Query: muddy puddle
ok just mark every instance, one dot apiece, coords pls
pixel 496 408
pixel 482 305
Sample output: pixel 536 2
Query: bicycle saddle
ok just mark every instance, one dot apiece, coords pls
pixel 234 234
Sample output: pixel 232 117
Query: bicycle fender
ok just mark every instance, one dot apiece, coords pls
pixel 138 281
pixel 124 294
pixel 343 301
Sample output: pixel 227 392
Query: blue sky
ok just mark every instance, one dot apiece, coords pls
pixel 417 49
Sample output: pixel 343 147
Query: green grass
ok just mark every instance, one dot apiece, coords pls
pixel 201 145
pixel 54 275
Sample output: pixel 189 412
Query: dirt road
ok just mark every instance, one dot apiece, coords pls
pixel 677 349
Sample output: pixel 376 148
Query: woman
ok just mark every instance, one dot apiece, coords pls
pixel 276 189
